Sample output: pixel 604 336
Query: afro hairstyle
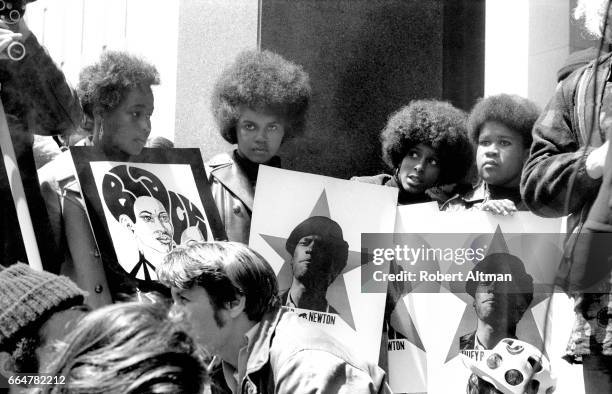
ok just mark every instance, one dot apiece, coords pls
pixel 515 112
pixel 107 82
pixel 433 123
pixel 262 81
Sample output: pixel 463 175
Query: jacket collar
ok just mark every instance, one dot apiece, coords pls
pixel 259 347
pixel 259 340
pixel 230 175
pixel 478 194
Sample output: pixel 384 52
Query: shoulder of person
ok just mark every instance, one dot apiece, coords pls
pixel 569 84
pixel 324 372
pixel 379 179
pixel 465 197
pixel 59 173
pixel 305 350
pixel 219 161
pixel 294 335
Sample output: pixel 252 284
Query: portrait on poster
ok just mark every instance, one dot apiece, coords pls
pixel 459 308
pixel 309 228
pixel 140 210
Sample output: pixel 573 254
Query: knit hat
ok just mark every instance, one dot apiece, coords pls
pixel 27 296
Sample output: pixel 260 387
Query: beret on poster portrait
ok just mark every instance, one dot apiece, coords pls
pixel 322 226
pixel 330 233
pixel 502 263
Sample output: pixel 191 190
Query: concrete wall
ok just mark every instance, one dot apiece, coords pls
pixel 211 33
pixel 366 59
pixel 549 46
pixel 527 41
pixel 76 31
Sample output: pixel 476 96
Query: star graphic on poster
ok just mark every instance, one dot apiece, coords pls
pixel 403 325
pixel 337 294
pixel 468 319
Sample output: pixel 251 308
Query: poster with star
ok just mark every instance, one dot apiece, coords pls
pixel 140 209
pixel 439 319
pixel 308 227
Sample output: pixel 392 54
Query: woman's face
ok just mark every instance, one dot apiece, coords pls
pixel 259 134
pixel 419 170
pixel 126 128
pixel 153 228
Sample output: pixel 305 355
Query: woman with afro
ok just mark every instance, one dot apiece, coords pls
pixel 115 93
pixel 424 145
pixel 259 102
pixel 500 128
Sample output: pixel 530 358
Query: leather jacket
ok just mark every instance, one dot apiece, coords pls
pixel 233 195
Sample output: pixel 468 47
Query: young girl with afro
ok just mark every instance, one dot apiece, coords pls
pixel 500 128
pixel 425 145
pixel 259 102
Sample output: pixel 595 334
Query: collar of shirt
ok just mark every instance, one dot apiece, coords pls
pixel 234 376
pixel 291 304
pixel 477 344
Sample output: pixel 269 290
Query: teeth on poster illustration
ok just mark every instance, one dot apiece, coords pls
pixel 308 227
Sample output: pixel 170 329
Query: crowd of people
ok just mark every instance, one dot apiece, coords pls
pixel 209 317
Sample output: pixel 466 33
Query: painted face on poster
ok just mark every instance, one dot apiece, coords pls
pixel 308 227
pixel 506 294
pixel 148 212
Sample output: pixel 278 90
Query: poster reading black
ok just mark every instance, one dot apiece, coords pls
pixel 141 209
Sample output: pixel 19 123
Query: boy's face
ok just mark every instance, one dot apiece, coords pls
pixel 420 169
pixel 500 155
pixel 259 135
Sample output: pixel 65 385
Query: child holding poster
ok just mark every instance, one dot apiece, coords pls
pixel 500 128
pixel 116 93
pixel 258 102
pixel 425 145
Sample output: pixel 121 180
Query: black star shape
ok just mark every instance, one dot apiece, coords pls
pixel 402 323
pixel 400 319
pixel 337 294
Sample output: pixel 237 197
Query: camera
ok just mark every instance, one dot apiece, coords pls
pixel 11 12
